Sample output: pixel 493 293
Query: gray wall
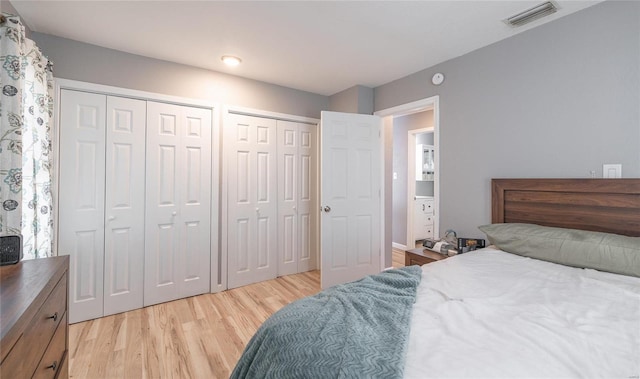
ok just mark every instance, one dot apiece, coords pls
pixel 555 101
pixel 94 64
pixel 357 99
pixel 401 127
pixel 387 130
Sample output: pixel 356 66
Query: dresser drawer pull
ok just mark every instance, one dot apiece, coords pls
pixel 55 318
pixel 53 366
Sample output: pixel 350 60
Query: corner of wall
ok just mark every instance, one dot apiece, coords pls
pixel 7 7
pixel 357 99
pixel 365 100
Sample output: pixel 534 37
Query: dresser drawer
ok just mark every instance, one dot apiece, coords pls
pixel 424 206
pixel 44 324
pixel 63 372
pixel 52 361
pixel 33 311
pixel 13 365
pixel 428 207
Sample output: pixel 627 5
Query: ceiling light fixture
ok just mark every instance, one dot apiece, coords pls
pixel 231 60
pixel 540 10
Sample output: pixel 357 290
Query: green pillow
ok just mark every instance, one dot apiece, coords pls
pixel 578 248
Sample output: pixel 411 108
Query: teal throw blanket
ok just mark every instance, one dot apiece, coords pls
pixel 353 330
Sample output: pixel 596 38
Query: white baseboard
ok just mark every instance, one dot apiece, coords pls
pixel 398 246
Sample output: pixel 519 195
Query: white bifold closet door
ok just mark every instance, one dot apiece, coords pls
pixel 178 202
pixel 101 207
pixel 124 205
pixel 251 199
pixel 297 191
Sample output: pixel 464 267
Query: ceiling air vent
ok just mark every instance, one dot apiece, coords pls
pixel 531 14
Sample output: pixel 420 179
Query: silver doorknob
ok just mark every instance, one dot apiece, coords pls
pixel 327 209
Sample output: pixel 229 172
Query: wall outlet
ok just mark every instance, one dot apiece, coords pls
pixel 612 171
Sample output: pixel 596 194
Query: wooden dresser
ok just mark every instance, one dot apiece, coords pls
pixel 33 319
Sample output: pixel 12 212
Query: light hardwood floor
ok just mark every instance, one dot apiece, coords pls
pixel 397 256
pixel 197 337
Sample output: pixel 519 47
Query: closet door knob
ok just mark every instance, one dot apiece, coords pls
pixel 111 218
pixel 174 213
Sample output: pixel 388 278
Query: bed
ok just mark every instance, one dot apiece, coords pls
pixel 557 294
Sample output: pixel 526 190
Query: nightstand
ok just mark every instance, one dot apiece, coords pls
pixel 421 256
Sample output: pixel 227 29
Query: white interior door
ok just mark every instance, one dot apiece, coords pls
pixel 251 199
pixel 350 197
pixel 81 200
pixel 297 210
pixel 178 182
pixel 124 204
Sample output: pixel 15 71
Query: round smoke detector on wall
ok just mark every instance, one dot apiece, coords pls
pixel 437 79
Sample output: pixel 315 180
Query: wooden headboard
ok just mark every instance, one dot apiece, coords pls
pixel 604 205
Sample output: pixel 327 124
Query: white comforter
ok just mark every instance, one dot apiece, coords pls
pixel 493 314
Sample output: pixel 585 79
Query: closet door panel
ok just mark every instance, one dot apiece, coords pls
pixel 161 264
pixel 162 234
pixel 178 214
pixel 251 199
pixel 195 209
pixel 124 204
pixel 288 220
pixel 297 209
pixel 81 199
pixel 307 198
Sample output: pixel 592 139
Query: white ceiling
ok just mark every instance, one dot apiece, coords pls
pixel 317 46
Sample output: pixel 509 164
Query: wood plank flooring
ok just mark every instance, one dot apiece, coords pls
pixel 397 258
pixel 197 337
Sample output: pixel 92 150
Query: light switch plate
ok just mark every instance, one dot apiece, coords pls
pixel 612 171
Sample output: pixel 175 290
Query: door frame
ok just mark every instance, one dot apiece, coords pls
pixel 429 103
pixel 220 261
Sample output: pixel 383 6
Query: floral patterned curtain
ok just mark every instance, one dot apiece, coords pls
pixel 26 116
